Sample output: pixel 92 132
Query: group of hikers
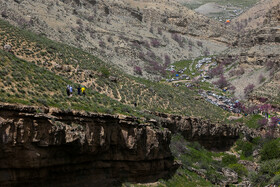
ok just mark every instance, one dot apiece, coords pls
pixel 80 90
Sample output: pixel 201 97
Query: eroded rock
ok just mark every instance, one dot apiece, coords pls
pixel 54 147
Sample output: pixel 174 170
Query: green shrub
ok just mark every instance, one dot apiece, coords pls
pixel 245 147
pixel 105 72
pixel 269 171
pixel 229 159
pixel 239 169
pixel 276 180
pixel 196 146
pixel 270 150
pixel 270 167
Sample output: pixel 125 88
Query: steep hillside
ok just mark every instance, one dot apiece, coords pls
pixel 254 17
pixel 131 34
pixel 126 128
pixel 219 9
pixel 258 56
pixel 81 68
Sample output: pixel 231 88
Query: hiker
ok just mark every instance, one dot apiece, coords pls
pixel 83 91
pixel 79 90
pixel 266 115
pixel 71 90
pixel 68 90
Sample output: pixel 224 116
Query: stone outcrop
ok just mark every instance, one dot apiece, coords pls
pixel 231 176
pixel 51 147
pixel 40 146
pixel 212 136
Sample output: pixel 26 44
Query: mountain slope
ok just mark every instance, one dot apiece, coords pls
pixel 258 53
pixel 254 17
pixel 123 32
pixel 82 68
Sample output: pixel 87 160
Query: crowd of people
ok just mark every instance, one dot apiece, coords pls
pixel 80 90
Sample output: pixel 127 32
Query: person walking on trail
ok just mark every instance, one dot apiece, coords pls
pixel 71 90
pixel 68 90
pixel 79 90
pixel 83 91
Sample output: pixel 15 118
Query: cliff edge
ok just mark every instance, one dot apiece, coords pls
pixel 46 146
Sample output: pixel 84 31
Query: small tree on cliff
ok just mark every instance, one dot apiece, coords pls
pixel 138 70
pixel 249 89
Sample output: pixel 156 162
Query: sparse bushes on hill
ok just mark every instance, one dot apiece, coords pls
pixel 79 22
pixel 155 42
pixel 4 14
pixel 263 122
pixel 267 174
pixel 222 82
pixel 167 60
pixel 206 52
pixel 249 89
pixel 138 70
pixel 276 180
pixel 229 159
pixel 182 101
pixel 239 169
pixel 245 147
pixel 199 44
pixel 262 99
pixel 228 61
pixel 155 68
pixel 21 22
pixel 110 39
pixel 271 150
pixel 101 44
pixel 265 107
pixel 151 55
pixel 178 38
pixel 269 65
pixel 238 72
pixel 136 45
pixel 146 44
pixel 219 70
pixel 151 30
pixel 105 72
pixel 261 78
pixel 159 31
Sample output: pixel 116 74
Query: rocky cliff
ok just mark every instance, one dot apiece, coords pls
pixel 46 147
pixel 218 137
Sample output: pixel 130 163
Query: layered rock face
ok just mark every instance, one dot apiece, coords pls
pixel 50 147
pixel 218 137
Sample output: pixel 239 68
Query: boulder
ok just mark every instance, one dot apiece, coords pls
pixel 7 47
pixel 113 79
pixel 250 166
pixel 231 176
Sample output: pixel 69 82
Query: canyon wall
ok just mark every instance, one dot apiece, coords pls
pixel 51 147
pixel 213 136
pixel 48 146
